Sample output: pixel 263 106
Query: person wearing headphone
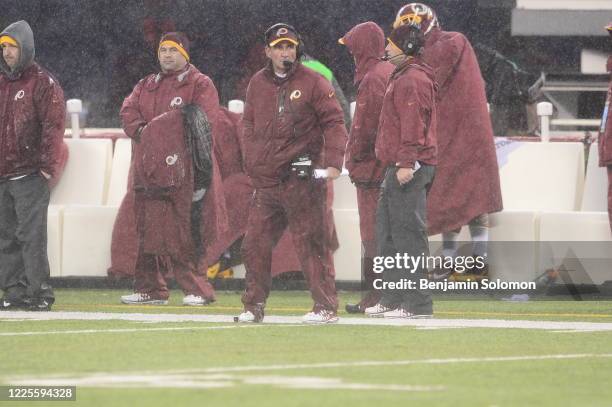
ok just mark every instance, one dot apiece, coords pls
pixel 467 187
pixel 293 125
pixel 406 142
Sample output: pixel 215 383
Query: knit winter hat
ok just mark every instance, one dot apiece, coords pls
pixel 177 40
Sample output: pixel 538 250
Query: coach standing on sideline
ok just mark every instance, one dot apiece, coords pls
pixel 407 142
pixel 292 124
pixel 31 133
pixel 155 229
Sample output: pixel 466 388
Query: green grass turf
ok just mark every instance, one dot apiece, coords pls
pixel 299 302
pixel 579 382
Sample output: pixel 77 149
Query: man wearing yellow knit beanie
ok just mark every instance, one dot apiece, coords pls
pixel 173 52
pixel 173 179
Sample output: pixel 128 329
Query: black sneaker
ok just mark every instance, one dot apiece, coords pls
pixel 11 305
pixel 439 274
pixel 38 304
pixel 354 308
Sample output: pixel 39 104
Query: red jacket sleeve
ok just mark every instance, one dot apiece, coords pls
pixel 413 103
pixel 52 110
pixel 365 122
pixel 131 118
pixel 331 120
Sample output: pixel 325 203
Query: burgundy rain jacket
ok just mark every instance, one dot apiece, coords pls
pixel 466 184
pixel 238 190
pixel 297 115
pixel 160 184
pixel 407 129
pixel 366 42
pixel 32 112
pixel 237 187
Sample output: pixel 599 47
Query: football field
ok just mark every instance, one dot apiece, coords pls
pixel 473 353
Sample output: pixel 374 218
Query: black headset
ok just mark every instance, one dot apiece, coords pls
pixel 300 47
pixel 409 39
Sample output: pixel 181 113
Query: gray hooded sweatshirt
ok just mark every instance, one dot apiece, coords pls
pixel 23 35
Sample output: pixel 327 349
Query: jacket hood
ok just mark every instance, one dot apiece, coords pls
pixel 366 41
pixel 23 35
pixel 417 63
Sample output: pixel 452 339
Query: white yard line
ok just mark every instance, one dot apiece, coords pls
pixel 434 323
pixel 143 330
pixel 227 376
pixel 378 363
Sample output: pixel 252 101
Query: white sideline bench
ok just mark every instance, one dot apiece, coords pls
pixel 595 197
pixel 85 178
pixel 542 176
pixel 536 177
pixel 84 184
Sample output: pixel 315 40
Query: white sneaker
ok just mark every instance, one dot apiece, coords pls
pixel 402 313
pixel 320 317
pixel 195 300
pixel 246 316
pixel 377 311
pixel 142 298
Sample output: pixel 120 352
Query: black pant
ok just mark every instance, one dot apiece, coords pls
pixel 24 265
pixel 401 227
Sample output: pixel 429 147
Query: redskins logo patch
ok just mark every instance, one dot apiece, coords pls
pixel 296 94
pixel 177 101
pixel 172 159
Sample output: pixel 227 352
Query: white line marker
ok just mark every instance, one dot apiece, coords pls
pixel 427 323
pixel 331 365
pixel 206 381
pixel 220 376
pixel 144 330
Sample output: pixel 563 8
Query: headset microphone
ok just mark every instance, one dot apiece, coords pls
pixel 288 65
pixel 388 58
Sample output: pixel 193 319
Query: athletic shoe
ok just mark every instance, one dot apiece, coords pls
pixel 11 305
pixel 246 316
pixel 354 308
pixel 227 273
pixel 142 298
pixel 377 311
pixel 320 317
pixel 212 271
pixel 402 313
pixel 396 313
pixel 250 316
pixel 195 300
pixel 440 274
pixel 38 304
pixel 480 273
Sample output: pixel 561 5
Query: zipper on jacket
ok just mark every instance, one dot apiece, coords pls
pixel 281 100
pixel 3 120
